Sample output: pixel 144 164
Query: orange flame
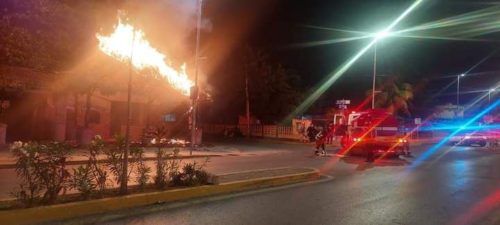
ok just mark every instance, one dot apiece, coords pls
pixel 119 46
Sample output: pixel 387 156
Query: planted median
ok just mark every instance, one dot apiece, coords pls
pixel 49 190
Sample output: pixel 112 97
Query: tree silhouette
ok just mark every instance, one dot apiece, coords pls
pixel 393 95
pixel 271 90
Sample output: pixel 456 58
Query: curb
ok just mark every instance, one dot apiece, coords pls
pixel 81 162
pixel 422 143
pixel 99 206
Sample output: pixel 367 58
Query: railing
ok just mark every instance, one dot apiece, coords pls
pixel 288 132
pixel 261 131
pixel 271 131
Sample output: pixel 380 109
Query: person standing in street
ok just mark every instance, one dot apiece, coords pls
pixel 311 133
pixel 320 142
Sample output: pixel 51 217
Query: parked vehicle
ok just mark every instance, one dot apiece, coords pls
pixel 470 139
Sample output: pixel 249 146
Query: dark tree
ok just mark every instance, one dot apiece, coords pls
pixel 394 95
pixel 49 35
pixel 273 92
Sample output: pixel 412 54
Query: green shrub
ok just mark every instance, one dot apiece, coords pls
pixel 27 168
pixel 143 170
pixel 192 175
pixel 42 170
pixel 114 156
pixel 98 171
pixel 82 181
pixel 161 176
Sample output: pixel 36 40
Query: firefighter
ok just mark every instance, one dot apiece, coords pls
pixel 320 142
pixel 311 132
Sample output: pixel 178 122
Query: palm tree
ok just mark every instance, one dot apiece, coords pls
pixel 393 95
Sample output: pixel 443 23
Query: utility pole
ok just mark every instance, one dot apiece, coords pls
pixel 458 88
pixel 374 75
pixel 194 103
pixel 124 178
pixel 247 100
pixel 489 94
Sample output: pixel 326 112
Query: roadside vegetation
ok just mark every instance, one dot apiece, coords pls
pixel 46 178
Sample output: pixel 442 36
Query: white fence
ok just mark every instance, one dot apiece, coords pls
pixel 263 131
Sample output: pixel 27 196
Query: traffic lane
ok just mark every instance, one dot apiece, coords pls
pixel 450 192
pixel 335 165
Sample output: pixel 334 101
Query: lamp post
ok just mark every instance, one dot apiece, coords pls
pixel 194 102
pixel 124 177
pixel 489 95
pixel 374 74
pixel 458 88
pixel 378 36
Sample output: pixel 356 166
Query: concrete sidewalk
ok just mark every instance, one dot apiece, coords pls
pixel 80 156
pixel 233 148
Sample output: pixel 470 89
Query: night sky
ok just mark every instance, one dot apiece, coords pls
pixel 279 24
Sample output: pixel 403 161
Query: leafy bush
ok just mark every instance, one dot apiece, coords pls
pixel 42 169
pixel 99 173
pixel 82 181
pixel 143 170
pixel 167 167
pixel 114 156
pixel 43 174
pixel 192 175
pixel 27 156
pixel 161 177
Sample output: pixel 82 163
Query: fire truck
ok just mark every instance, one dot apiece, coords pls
pixel 373 132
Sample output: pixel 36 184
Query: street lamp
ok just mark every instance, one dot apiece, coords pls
pixel 381 34
pixel 124 178
pixel 378 36
pixel 489 95
pixel 194 102
pixel 458 88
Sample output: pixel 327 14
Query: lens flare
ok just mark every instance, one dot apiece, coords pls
pixel 327 42
pixel 127 41
pixel 334 76
pixel 446 139
pixel 475 23
pixel 480 208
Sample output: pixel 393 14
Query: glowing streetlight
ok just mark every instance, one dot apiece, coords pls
pixel 489 94
pixel 458 88
pixel 377 37
pixel 382 34
pixel 335 75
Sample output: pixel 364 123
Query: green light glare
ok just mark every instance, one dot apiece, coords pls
pixel 480 98
pixel 483 19
pixel 334 76
pixel 324 86
pixel 335 29
pixel 444 38
pixel 327 42
pixel 402 16
pixel 463 27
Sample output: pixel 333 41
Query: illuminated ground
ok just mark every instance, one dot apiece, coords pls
pixel 462 187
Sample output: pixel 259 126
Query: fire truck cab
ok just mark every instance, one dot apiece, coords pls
pixel 373 132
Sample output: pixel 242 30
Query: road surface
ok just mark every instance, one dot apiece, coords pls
pixel 453 186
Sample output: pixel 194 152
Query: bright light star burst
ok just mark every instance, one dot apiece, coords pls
pixel 334 76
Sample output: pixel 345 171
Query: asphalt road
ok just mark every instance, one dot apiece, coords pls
pixel 452 186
